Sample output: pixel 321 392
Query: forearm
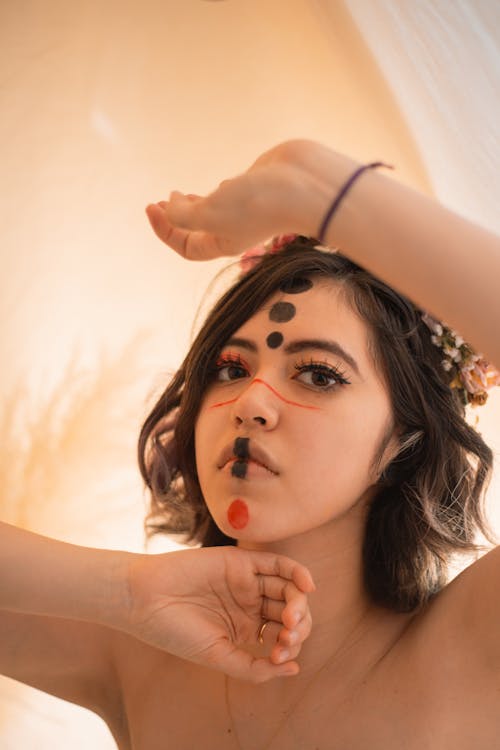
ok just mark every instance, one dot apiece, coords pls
pixel 443 262
pixel 44 576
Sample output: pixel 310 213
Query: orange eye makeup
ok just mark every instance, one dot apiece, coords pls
pixel 231 358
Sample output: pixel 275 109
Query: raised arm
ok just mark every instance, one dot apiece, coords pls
pixel 445 263
pixel 60 605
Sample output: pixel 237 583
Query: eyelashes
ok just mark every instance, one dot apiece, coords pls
pixel 320 373
pixel 231 363
pixel 314 374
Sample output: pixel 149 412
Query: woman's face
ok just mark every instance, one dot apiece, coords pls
pixel 289 429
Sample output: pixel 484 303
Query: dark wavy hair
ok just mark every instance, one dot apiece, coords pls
pixel 429 500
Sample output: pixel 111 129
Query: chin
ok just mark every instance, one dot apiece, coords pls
pixel 250 534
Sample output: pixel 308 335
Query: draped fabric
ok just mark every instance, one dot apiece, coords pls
pixel 107 106
pixel 441 60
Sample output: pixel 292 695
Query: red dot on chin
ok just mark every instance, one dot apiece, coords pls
pixel 237 514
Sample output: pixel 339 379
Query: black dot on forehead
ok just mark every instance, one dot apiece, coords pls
pixel 274 339
pixel 296 285
pixel 281 312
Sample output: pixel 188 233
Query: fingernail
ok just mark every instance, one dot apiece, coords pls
pixel 284 654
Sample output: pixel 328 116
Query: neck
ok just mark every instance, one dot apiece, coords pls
pixel 343 615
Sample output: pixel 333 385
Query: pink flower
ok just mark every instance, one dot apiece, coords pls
pixel 251 257
pixel 478 377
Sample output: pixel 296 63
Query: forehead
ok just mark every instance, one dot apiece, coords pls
pixel 323 308
pixel 320 312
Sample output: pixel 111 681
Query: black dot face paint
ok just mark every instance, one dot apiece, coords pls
pixel 296 285
pixel 241 447
pixel 282 312
pixel 274 340
pixel 240 450
pixel 239 469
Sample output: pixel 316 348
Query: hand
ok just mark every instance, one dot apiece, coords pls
pixel 287 190
pixel 205 605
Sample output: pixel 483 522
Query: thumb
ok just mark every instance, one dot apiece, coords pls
pixel 178 212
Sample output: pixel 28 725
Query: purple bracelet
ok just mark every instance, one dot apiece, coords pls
pixel 341 194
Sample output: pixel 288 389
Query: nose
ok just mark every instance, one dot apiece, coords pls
pixel 256 405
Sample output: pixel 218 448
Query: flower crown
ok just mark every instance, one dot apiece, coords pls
pixel 468 371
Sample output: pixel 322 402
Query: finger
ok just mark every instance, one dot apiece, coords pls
pixel 188 196
pixel 298 634
pixel 268 564
pixel 189 212
pixel 185 211
pixel 296 612
pixel 276 588
pixel 279 636
pixel 276 612
pixel 270 634
pixel 277 631
pixel 164 229
pixel 272 611
pixel 243 666
pixel 192 245
pixel 290 609
pixel 280 650
pixel 282 654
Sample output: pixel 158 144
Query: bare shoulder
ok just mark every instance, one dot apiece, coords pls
pixel 464 618
pixel 439 684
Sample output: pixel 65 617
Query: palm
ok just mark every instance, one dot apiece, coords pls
pixel 214 605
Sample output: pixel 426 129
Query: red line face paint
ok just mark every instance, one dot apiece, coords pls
pixel 223 403
pixel 237 514
pixel 282 398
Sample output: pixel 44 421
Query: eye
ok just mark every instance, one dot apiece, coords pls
pixel 320 375
pixel 230 367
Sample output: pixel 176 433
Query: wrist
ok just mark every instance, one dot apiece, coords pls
pixel 135 597
pixel 319 175
pixel 45 576
pixel 111 601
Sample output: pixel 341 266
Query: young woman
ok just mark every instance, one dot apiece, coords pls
pixel 314 443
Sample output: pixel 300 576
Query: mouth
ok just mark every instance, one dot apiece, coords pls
pixel 252 455
pixel 248 462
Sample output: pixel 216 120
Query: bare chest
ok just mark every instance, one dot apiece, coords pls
pixel 407 705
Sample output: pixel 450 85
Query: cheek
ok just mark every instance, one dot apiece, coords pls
pixel 209 426
pixel 202 433
pixel 339 448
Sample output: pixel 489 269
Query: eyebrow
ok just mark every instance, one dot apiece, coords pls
pixel 300 345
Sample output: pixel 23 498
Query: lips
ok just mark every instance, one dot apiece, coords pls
pixel 256 453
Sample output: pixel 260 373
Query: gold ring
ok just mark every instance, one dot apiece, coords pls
pixel 260 636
